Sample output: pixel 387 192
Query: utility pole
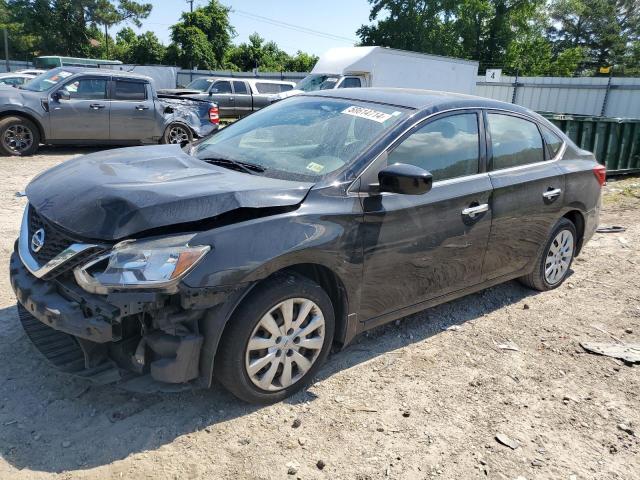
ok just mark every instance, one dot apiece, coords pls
pixel 6 50
pixel 106 38
pixel 190 2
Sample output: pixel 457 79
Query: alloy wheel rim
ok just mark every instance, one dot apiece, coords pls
pixel 285 344
pixel 17 138
pixel 558 257
pixel 178 135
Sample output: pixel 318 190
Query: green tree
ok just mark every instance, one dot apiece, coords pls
pixel 266 56
pixel 477 29
pixel 203 36
pixel 107 14
pixel 140 49
pixel 67 27
pixel 147 50
pixel 604 29
pixel 301 62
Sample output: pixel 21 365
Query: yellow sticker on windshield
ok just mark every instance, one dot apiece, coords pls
pixel 315 167
pixel 367 113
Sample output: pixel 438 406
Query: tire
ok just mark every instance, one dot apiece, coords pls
pixel 260 375
pixel 19 137
pixel 177 134
pixel 558 252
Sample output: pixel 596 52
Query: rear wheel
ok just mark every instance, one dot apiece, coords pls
pixel 277 340
pixel 18 137
pixel 177 134
pixel 554 260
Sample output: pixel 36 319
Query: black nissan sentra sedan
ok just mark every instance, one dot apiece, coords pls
pixel 246 256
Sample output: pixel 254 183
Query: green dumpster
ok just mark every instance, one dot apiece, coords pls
pixel 614 141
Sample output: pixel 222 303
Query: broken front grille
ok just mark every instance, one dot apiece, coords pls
pixel 56 241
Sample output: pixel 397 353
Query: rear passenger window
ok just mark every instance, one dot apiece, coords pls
pixel 285 87
pixel 515 141
pixel 448 147
pixel 130 90
pixel 268 87
pixel 240 88
pixel 553 141
pixel 351 82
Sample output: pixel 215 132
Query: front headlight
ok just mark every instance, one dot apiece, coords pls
pixel 158 263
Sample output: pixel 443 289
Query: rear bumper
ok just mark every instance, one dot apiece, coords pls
pixel 591 221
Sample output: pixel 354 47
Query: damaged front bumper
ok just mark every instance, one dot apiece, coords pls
pixel 112 337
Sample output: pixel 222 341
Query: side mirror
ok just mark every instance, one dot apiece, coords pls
pixel 62 94
pixel 404 179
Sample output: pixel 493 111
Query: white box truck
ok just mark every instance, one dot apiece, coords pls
pixel 353 67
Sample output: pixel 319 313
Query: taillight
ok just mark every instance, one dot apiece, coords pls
pixel 600 171
pixel 214 115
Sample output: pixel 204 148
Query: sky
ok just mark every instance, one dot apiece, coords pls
pixel 336 20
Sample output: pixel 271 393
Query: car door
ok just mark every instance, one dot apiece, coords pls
pixel 421 247
pixel 133 115
pixel 528 192
pixel 79 110
pixel 243 103
pixel 222 94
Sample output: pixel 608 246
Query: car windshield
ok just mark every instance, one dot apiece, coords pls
pixel 314 82
pixel 201 84
pixel 301 138
pixel 47 80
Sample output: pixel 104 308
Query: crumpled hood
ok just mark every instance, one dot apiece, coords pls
pixel 114 194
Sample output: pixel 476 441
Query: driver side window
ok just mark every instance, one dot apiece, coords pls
pixel 87 89
pixel 447 147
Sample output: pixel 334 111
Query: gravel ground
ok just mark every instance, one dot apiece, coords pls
pixel 415 399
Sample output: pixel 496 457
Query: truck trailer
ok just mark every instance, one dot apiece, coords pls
pixel 354 67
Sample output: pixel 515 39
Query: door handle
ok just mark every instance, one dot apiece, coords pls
pixel 231 99
pixel 552 193
pixel 140 108
pixel 96 106
pixel 473 211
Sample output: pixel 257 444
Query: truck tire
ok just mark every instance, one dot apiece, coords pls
pixel 267 354
pixel 177 134
pixel 19 137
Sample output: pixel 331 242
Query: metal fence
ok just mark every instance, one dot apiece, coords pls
pixel 14 65
pixel 185 77
pixel 595 96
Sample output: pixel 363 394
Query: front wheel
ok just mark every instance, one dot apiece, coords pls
pixel 554 260
pixel 277 340
pixel 177 134
pixel 18 137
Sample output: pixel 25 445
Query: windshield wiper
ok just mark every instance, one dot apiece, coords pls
pixel 250 168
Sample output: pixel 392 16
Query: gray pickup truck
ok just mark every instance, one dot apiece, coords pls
pixel 93 107
pixel 235 97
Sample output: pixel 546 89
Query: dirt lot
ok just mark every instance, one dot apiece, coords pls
pixel 410 400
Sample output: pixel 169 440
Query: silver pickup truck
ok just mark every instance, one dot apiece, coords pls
pixel 82 106
pixel 235 97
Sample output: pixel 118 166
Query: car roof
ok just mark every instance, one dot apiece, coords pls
pixel 429 100
pixel 261 80
pixel 105 72
pixel 15 74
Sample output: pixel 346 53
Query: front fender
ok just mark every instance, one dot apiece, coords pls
pixel 250 251
pixel 10 106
